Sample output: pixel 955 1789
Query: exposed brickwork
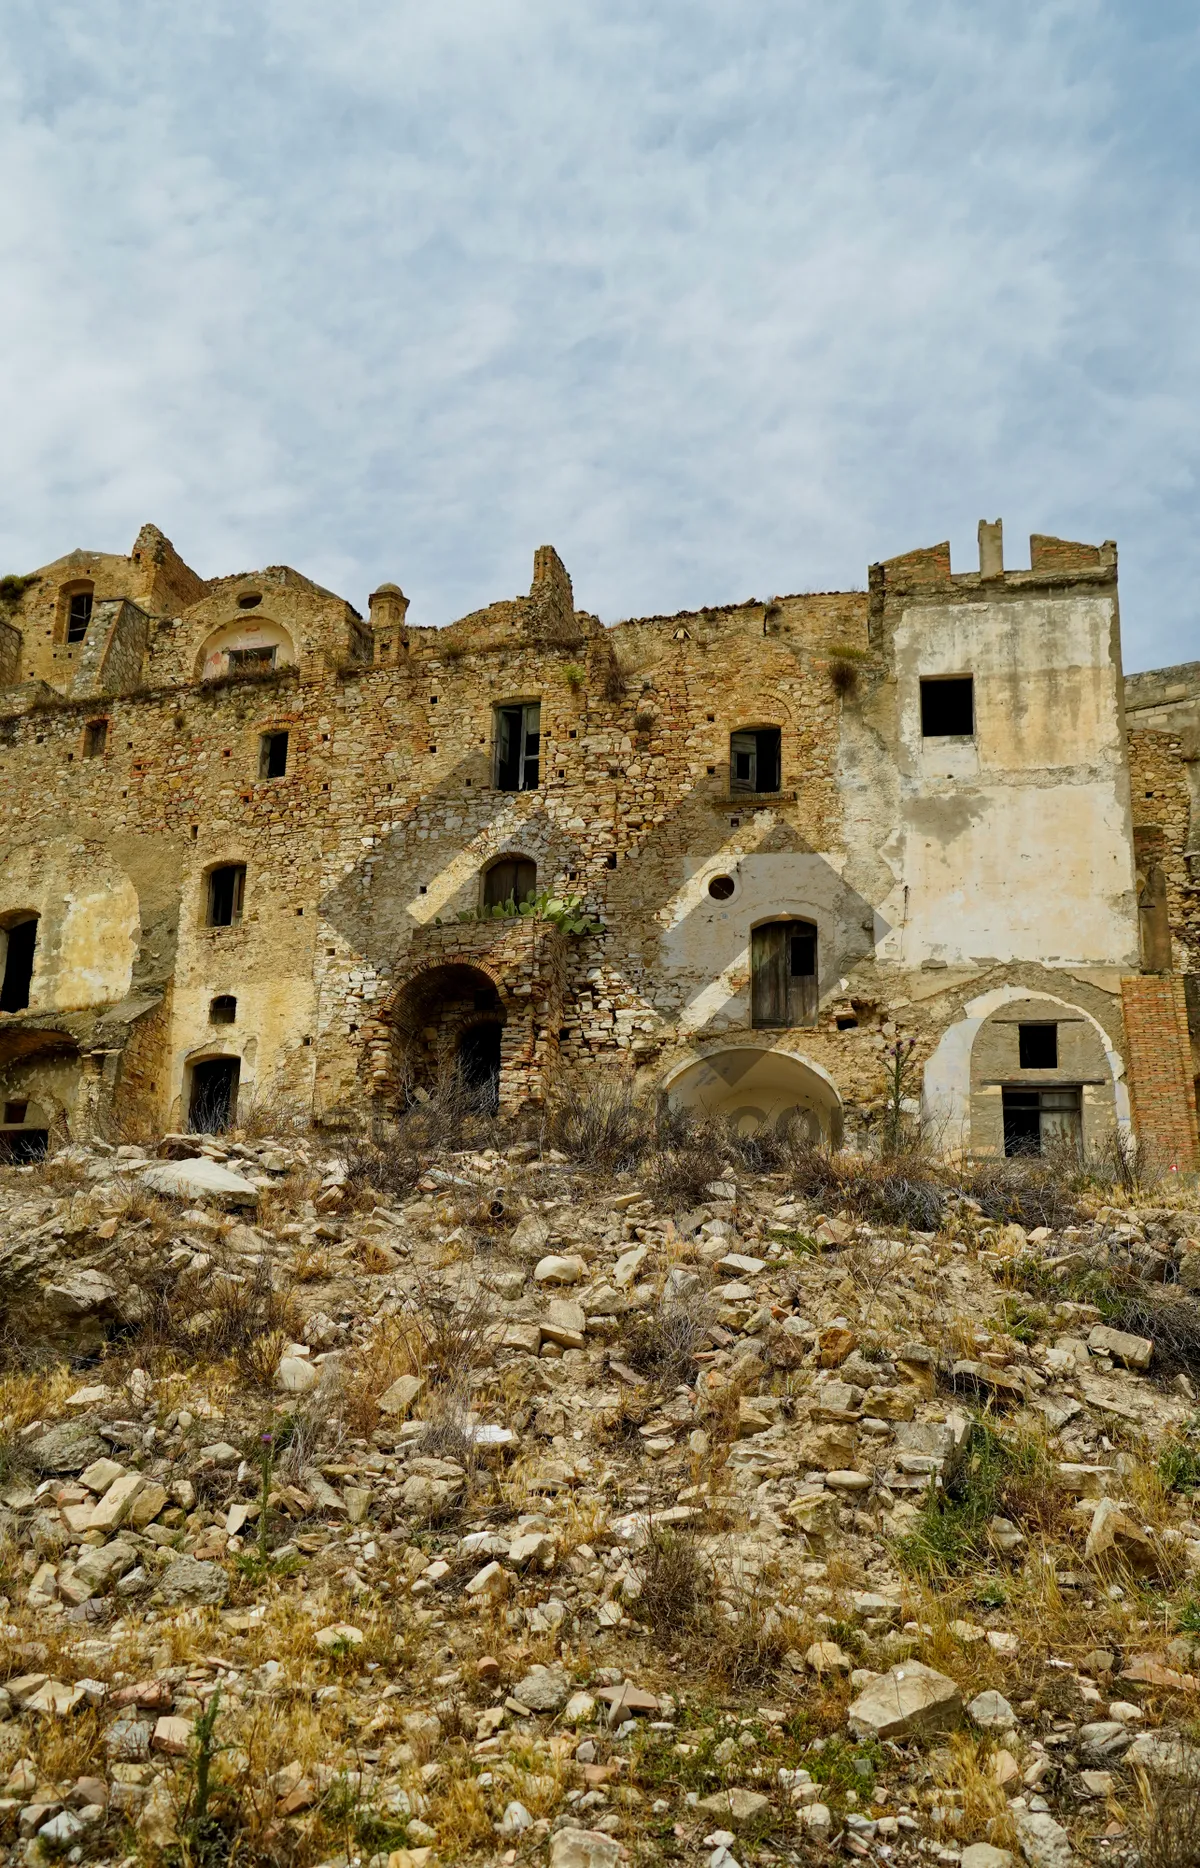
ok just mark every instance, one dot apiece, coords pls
pixel 1159 1068
pixel 130 767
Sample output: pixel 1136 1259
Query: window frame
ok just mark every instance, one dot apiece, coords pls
pixel 785 995
pixel 524 764
pixel 238 894
pixel 767 748
pixel 516 861
pixel 929 685
pixel 85 596
pixel 268 741
pixel 95 739
pixel 10 990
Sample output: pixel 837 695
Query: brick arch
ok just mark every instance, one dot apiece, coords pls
pixel 399 1055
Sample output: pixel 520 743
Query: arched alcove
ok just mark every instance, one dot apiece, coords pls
pixel 755 1087
pixel 249 644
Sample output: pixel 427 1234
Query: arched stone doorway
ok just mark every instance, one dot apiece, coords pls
pixel 756 1087
pixel 448 1025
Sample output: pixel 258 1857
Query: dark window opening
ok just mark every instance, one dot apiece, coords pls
pixel 252 658
pixel 1036 1121
pixel 18 1147
pixel 226 892
pixel 948 708
pixel 18 965
pixel 518 747
pixel 272 755
pixel 95 739
pixel 847 1022
pixel 250 601
pixel 15 1112
pixel 512 879
pixel 783 974
pixel 223 1010
pixel 1038 1046
pixel 754 759
pixel 79 615
pixel 213 1102
pixel 721 888
pixel 479 1065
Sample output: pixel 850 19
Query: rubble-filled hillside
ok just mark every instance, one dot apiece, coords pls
pixel 511 1505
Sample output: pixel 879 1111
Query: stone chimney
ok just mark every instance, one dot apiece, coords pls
pixel 991 548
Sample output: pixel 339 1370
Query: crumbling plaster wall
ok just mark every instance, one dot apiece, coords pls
pixel 386 819
pixel 1014 844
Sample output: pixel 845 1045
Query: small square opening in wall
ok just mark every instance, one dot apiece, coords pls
pixel 223 1010
pixel 948 707
pixel 1038 1046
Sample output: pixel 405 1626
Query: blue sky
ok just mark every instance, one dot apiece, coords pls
pixel 722 299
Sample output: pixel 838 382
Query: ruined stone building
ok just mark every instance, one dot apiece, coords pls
pixel 252 842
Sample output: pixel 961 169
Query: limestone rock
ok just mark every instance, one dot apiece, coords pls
pixel 1134 1351
pixel 991 1712
pixel 735 1806
pixel 295 1375
pixel 189 1580
pixel 397 1399
pixel 200 1179
pixel 911 1699
pixel 1165 1754
pixel 79 1294
pixel 1115 1538
pixel 1044 1843
pixel 69 1447
pixel 544 1689
pixel 560 1270
pixel 983 1855
pixel 583 1848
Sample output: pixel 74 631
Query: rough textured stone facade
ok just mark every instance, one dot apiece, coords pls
pixel 786 849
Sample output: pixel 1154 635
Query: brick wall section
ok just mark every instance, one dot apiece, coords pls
pixel 1160 796
pixel 1159 1068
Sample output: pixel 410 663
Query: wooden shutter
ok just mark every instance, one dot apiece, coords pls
pixel 802 973
pixel 743 761
pixel 769 951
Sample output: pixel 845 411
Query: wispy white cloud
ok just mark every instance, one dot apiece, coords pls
pixel 720 298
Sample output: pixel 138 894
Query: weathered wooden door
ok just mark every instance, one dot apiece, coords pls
pixel 783 974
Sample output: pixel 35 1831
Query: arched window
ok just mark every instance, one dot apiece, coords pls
pixel 19 937
pixel 509 879
pixel 783 974
pixel 75 611
pixel 754 759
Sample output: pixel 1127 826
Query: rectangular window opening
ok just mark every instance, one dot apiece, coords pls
pixel 251 659
pixel 79 615
pixel 226 891
pixel 1038 1122
pixel 1038 1046
pixel 273 755
pixel 518 747
pixel 20 941
pixel 754 759
pixel 948 707
pixel 95 739
pixel 15 1112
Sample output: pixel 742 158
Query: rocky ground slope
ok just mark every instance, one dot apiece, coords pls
pixel 492 1507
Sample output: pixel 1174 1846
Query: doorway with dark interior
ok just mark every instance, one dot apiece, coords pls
pixel 213 1102
pixel 479 1065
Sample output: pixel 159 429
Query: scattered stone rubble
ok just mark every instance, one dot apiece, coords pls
pixel 450 1649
